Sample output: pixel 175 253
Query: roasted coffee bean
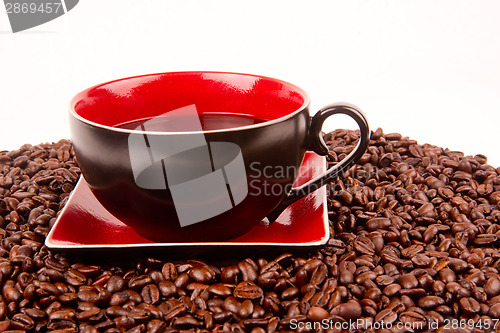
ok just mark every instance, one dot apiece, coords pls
pixel 200 274
pixel 139 314
pixel 378 223
pixel 150 294
pixel 75 278
pixel 430 302
pixel 485 239
pixel 272 304
pixel 350 310
pixel 469 305
pixel 230 274
pixel 167 288
pixel 246 308
pixel 290 293
pixel 22 321
pixel 494 311
pixel 408 281
pixel 182 281
pixel 391 289
pixel 492 286
pixel 364 245
pixel 387 316
pixel 156 326
pixel 248 290
pixel 248 270
pixel 115 284
pixel 139 282
pixel 319 274
pixel 316 313
pixel 447 275
pixel 231 304
pixel 415 318
pixel 420 260
pixel 62 315
pixel 169 271
pixel 12 294
pixel 123 323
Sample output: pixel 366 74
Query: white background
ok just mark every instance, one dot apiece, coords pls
pixel 427 69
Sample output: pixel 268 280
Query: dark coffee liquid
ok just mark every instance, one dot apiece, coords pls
pixel 209 122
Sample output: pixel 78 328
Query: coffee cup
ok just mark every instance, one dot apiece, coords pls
pixel 200 156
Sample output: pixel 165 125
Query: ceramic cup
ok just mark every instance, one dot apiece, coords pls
pixel 200 156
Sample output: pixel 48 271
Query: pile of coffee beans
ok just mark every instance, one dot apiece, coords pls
pixel 414 248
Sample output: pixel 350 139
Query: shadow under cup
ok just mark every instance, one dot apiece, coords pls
pixel 191 156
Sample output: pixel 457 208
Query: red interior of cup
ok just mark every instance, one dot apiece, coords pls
pixel 129 99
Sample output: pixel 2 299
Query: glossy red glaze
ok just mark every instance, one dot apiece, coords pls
pixel 84 224
pixel 147 96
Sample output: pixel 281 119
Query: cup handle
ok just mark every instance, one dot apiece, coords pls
pixel 317 144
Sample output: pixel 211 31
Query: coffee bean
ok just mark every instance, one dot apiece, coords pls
pixel 167 288
pixel 11 294
pixel 62 315
pixel 139 282
pixel 88 295
pixel 469 305
pixel 177 310
pixel 156 326
pixel 420 260
pixel 387 316
pixel 494 310
pixel 4 325
pixel 290 293
pixel 430 302
pixel 139 314
pixel 115 284
pixel 246 309
pixel 269 279
pixel 350 310
pixel 75 278
pixel 22 321
pixel 182 281
pixel 231 304
pixel 485 239
pixel 364 245
pixel 169 271
pixel 272 304
pixel 200 274
pixel 123 323
pixel 378 223
pixel 150 294
pixel 415 318
pixel 248 271
pixel 248 290
pixel 35 313
pixel 222 316
pixel 230 274
pixel 413 293
pixel 384 280
pixel 408 281
pixel 317 314
pixel 319 274
pixel 492 286
pixel 391 289
pixel 114 311
pixel 346 277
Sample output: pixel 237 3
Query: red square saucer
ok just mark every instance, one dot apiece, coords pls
pixel 84 225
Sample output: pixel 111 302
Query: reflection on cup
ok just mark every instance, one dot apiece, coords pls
pixel 204 179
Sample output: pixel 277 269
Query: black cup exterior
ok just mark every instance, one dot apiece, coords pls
pixel 277 146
